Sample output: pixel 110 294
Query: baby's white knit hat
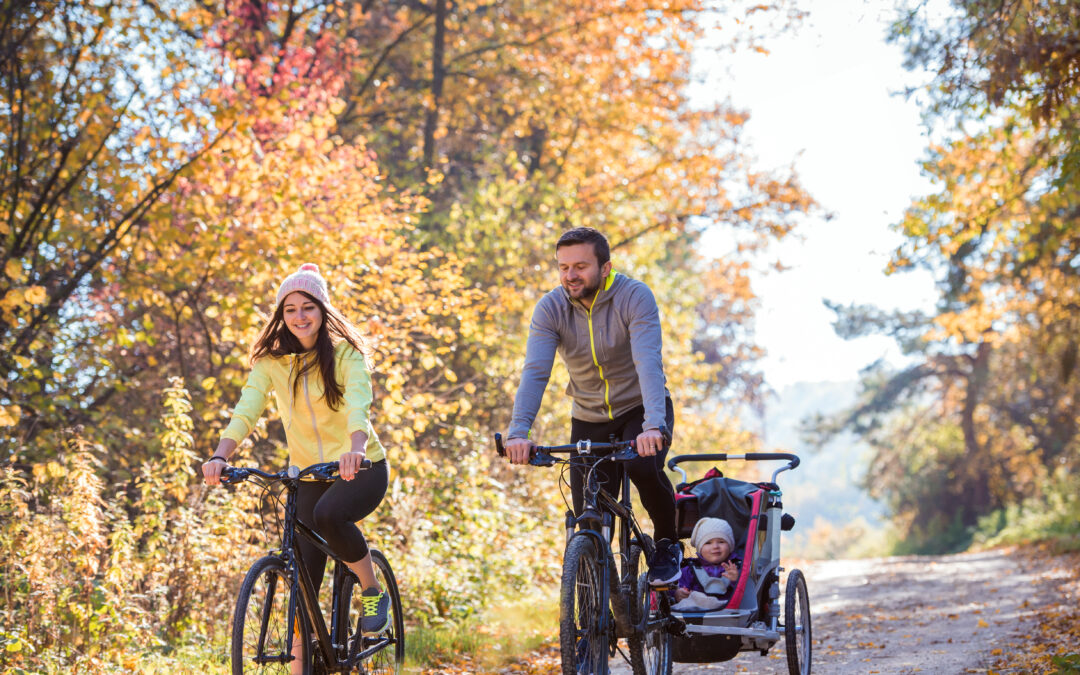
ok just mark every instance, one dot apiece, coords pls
pixel 711 528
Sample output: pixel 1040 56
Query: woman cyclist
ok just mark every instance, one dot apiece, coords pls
pixel 316 364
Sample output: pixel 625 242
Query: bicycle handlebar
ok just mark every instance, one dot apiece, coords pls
pixel 544 455
pixel 723 457
pixel 581 447
pixel 324 471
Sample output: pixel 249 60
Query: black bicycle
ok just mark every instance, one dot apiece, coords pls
pixel 278 610
pixel 595 576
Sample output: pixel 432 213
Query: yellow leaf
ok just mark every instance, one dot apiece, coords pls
pixel 12 298
pixel 14 269
pixel 9 416
pixel 983 624
pixel 35 295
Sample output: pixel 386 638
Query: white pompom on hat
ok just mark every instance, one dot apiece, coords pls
pixel 711 528
pixel 308 280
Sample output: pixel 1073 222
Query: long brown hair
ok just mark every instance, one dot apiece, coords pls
pixel 276 340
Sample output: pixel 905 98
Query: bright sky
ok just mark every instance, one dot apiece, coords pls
pixel 823 99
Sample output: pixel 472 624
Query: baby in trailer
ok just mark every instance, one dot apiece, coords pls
pixel 707 582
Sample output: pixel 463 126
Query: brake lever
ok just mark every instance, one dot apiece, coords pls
pixel 324 474
pixel 232 475
pixel 624 455
pixel 540 458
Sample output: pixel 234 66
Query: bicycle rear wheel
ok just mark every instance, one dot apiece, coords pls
pixel 583 644
pixel 390 655
pixel 650 647
pixel 797 637
pixel 261 624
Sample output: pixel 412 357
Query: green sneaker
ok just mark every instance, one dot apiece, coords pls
pixel 376 616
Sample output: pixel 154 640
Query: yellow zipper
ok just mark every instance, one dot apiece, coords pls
pixel 314 424
pixel 592 346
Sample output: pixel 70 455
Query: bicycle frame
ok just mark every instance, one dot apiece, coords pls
pixel 599 502
pixel 600 506
pixel 294 561
pixel 303 596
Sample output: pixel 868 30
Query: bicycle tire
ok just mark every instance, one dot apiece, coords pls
pixel 583 646
pixel 623 591
pixel 797 635
pixel 391 659
pixel 650 647
pixel 261 622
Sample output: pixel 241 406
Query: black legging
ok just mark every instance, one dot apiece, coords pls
pixel 332 510
pixel 646 473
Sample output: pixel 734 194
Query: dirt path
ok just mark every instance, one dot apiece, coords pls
pixel 932 614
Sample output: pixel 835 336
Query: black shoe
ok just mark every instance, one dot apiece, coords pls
pixel 664 563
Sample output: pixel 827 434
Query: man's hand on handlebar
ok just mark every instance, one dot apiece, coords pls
pixel 649 442
pixel 518 450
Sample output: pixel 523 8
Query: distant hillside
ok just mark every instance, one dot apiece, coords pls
pixel 822 493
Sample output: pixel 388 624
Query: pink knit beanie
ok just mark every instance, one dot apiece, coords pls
pixel 308 280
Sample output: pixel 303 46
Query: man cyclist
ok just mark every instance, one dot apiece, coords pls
pixel 606 327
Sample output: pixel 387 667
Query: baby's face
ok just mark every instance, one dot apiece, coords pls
pixel 715 551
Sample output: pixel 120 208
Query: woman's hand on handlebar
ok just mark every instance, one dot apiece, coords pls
pixel 211 471
pixel 350 463
pixel 518 450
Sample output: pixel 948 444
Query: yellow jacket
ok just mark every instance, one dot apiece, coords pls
pixel 315 433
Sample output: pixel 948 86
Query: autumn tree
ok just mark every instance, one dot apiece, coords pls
pixel 990 400
pixel 90 147
pixel 524 119
pixel 166 163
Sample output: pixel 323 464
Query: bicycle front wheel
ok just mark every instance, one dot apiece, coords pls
pixel 583 644
pixel 262 626
pixel 388 647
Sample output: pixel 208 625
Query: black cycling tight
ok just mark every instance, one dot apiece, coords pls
pixel 332 510
pixel 646 473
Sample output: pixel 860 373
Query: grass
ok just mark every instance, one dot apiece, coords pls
pixel 1052 520
pixel 497 639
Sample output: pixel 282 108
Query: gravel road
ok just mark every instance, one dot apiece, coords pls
pixel 917 614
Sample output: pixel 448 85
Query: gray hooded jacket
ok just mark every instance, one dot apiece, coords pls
pixel 612 353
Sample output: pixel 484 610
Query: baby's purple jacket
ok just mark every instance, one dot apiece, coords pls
pixel 689 580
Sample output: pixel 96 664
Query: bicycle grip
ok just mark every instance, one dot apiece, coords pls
pixel 794 459
pixel 499 445
pixel 231 475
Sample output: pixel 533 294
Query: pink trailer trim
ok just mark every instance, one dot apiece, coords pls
pixel 751 537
